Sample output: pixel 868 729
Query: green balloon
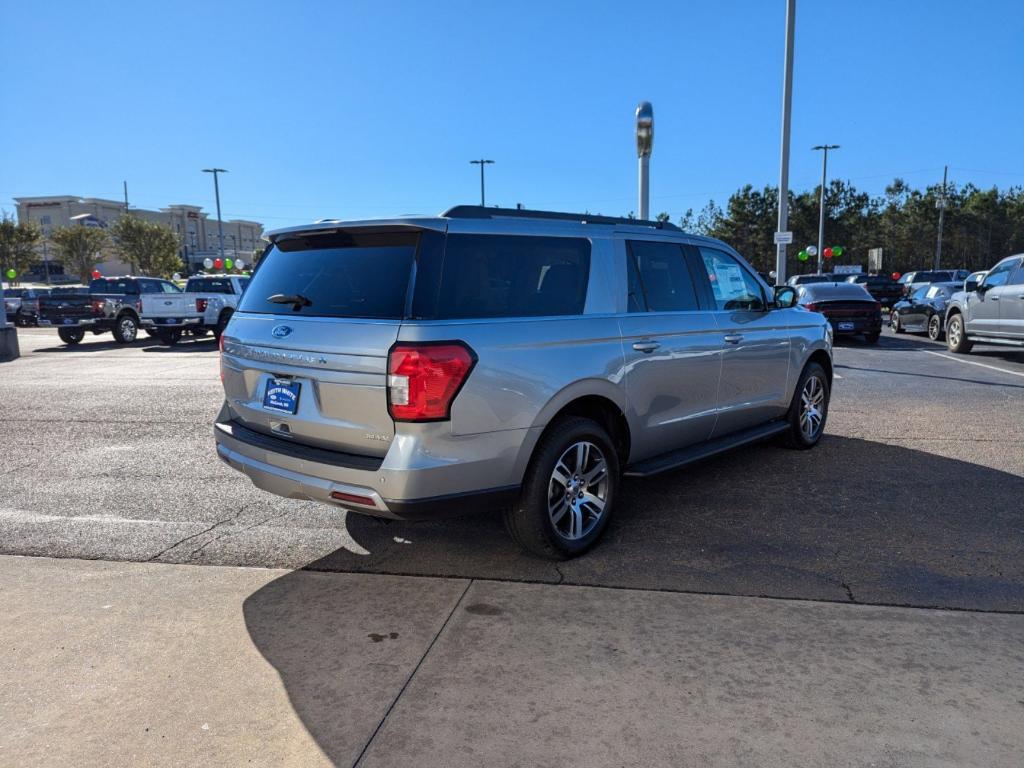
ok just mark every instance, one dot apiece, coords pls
pixel 229 263
pixel 803 256
pixel 11 274
pixel 837 250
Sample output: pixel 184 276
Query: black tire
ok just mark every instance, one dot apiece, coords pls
pixel 222 323
pixel 126 329
pixel 872 338
pixel 894 323
pixel 151 332
pixel 529 520
pixel 935 328
pixel 956 335
pixel 71 336
pixel 169 337
pixel 795 437
pixel 199 332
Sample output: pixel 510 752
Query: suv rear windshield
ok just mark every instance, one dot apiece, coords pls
pixel 337 274
pixel 458 276
pixel 208 285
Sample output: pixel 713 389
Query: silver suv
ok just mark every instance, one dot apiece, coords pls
pixel 487 358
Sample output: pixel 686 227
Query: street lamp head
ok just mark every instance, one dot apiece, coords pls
pixel 215 170
pixel 644 129
pixel 826 146
pixel 481 162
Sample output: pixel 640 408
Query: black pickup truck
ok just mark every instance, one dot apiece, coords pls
pixel 883 288
pixel 120 305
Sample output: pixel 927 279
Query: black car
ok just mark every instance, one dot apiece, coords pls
pixel 796 280
pixel 885 290
pixel 924 311
pixel 910 281
pixel 850 309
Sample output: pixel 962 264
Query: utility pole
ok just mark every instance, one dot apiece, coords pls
pixel 787 104
pixel 644 145
pixel 481 162
pixel 216 192
pixel 941 205
pixel 821 214
pixel 125 196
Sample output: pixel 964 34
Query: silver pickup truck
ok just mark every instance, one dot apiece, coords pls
pixel 989 310
pixel 218 297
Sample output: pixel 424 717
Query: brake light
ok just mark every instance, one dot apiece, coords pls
pixel 138 305
pixel 97 305
pixel 812 307
pixel 200 305
pixel 423 379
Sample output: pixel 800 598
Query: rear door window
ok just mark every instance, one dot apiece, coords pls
pixel 659 280
pixel 508 276
pixel 337 274
pixel 208 285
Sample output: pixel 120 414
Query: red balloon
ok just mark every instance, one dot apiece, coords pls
pixel 96 274
pixel 217 263
pixel 827 253
pixel 896 275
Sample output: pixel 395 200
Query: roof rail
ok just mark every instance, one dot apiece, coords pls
pixel 481 212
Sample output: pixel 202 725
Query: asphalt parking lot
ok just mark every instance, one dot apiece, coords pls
pixel 913 498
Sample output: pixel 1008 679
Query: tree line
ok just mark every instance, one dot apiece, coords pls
pixel 981 225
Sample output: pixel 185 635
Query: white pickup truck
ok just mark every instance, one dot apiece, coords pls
pixel 217 298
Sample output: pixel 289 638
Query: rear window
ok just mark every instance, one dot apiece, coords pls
pixel 485 276
pixel 208 285
pixel 113 285
pixel 337 274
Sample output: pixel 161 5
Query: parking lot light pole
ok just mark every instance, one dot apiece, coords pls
pixel 941 205
pixel 216 192
pixel 644 145
pixel 481 162
pixel 787 106
pixel 821 214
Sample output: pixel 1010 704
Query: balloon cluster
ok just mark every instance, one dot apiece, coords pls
pixel 835 250
pixel 803 255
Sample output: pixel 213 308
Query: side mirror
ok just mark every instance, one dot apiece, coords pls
pixel 970 285
pixel 785 297
pixel 981 288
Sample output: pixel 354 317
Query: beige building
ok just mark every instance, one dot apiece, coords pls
pixel 197 232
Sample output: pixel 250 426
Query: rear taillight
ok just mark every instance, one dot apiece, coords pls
pixel 200 305
pixel 812 307
pixel 97 305
pixel 138 305
pixel 355 498
pixel 423 379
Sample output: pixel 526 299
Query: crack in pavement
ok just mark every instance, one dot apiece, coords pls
pixel 228 533
pixel 217 524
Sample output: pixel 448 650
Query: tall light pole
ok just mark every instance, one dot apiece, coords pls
pixel 216 191
pixel 644 145
pixel 941 205
pixel 821 214
pixel 481 162
pixel 787 105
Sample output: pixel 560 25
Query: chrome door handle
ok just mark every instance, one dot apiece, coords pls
pixel 645 346
pixel 993 298
pixel 733 338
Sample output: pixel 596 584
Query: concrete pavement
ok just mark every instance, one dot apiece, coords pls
pixel 167 665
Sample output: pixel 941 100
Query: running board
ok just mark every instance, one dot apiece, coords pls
pixel 995 340
pixel 690 454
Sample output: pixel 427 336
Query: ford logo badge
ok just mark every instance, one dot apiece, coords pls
pixel 280 331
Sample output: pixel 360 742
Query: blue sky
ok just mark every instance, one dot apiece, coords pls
pixel 373 108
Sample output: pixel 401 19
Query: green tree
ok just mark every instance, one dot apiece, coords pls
pixel 80 248
pixel 17 245
pixel 150 249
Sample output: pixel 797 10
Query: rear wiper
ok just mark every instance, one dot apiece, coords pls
pixel 297 300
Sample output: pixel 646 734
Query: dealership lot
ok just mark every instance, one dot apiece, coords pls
pixel 912 499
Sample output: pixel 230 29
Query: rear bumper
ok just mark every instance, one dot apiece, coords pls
pixel 407 484
pixel 846 326
pixel 69 322
pixel 171 322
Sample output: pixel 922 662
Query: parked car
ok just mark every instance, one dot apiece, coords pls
pixel 924 311
pixel 28 312
pixel 883 288
pixel 121 306
pixel 12 302
pixel 796 280
pixel 218 297
pixel 850 309
pixel 524 360
pixel 910 281
pixel 993 312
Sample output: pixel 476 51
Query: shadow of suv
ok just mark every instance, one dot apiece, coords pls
pixel 419 367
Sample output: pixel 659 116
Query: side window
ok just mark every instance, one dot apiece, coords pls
pixel 659 278
pixel 1017 278
pixel 734 287
pixel 148 286
pixel 920 293
pixel 513 276
pixel 1000 274
pixel 170 288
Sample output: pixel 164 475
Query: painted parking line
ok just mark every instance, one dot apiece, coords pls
pixel 972 362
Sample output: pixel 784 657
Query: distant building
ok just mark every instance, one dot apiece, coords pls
pixel 197 233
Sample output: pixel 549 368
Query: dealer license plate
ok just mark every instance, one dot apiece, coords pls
pixel 282 396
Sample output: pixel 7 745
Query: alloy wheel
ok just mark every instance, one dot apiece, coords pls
pixel 954 332
pixel 578 490
pixel 128 330
pixel 812 407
